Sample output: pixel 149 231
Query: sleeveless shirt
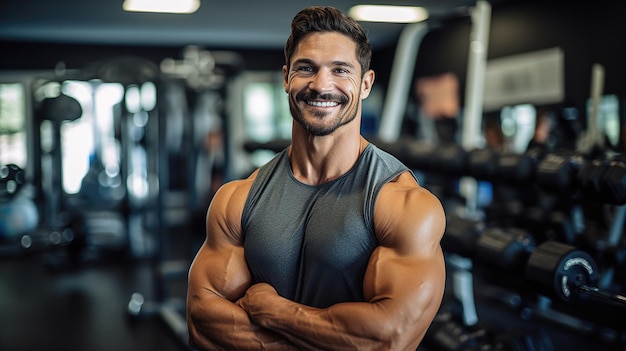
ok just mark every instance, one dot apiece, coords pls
pixel 313 243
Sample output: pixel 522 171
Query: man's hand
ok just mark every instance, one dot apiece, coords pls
pixel 254 300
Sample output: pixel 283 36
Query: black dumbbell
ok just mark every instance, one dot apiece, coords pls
pixel 447 334
pixel 418 155
pixel 613 182
pixel 519 168
pixel 553 268
pixel 590 179
pixel 604 180
pixel 562 270
pixel 451 159
pixel 557 173
pixel 505 248
pixel 461 235
pixel 483 163
pixel 557 269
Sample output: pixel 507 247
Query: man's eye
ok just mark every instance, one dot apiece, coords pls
pixel 305 69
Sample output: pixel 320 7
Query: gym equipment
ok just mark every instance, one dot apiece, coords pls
pixel 18 216
pixel 446 334
pixel 18 213
pixel 556 268
pixel 126 70
pixel 461 235
pixel 12 178
pixel 550 281
pixel 483 164
pixel 506 248
pixel 56 110
pixel 562 269
pixel 519 168
pixel 190 93
pixel 550 268
pixel 604 180
pixel 557 172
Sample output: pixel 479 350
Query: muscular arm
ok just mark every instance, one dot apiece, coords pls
pixel 403 285
pixel 218 277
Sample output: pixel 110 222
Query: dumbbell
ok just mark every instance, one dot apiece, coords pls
pixel 505 248
pixel 451 159
pixel 557 172
pixel 483 163
pixel 519 168
pixel 552 268
pixel 12 178
pixel 416 154
pixel 561 269
pixel 447 334
pixel 461 235
pixel 604 180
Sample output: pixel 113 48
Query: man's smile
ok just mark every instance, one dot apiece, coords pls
pixel 322 103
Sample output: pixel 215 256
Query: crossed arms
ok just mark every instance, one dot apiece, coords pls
pixel 403 284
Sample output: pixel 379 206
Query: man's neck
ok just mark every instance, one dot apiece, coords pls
pixel 318 160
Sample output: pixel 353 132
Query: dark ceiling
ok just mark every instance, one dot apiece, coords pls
pixel 218 23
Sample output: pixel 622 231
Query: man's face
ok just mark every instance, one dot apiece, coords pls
pixel 324 82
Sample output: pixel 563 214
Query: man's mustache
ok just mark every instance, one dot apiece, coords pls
pixel 311 95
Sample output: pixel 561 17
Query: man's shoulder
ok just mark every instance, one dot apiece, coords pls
pixel 236 188
pixel 404 194
pixel 231 196
pixel 409 213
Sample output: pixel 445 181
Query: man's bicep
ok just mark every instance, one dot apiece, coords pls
pixel 402 278
pixel 223 273
pixel 407 270
pixel 220 265
pixel 409 219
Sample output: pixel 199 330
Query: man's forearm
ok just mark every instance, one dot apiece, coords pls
pixel 316 329
pixel 346 326
pixel 222 325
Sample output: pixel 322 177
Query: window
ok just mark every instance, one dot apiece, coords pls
pixel 13 125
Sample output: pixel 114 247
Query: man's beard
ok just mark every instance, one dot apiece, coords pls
pixel 315 129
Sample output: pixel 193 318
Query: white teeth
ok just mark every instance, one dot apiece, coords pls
pixel 323 103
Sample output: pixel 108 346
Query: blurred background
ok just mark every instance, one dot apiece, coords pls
pixel 118 124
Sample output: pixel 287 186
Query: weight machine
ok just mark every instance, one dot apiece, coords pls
pixel 192 159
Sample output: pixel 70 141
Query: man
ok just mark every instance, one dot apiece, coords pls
pixel 332 245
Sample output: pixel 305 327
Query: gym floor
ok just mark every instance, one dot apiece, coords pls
pixel 47 306
pixel 81 307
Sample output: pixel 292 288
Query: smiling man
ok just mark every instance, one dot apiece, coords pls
pixel 331 245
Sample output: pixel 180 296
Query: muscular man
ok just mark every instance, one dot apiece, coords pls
pixel 332 245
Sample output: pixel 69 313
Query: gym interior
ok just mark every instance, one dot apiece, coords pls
pixel 112 144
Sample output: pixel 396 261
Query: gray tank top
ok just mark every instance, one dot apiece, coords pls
pixel 313 243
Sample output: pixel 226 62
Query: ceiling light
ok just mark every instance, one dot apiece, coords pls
pixel 385 13
pixel 165 6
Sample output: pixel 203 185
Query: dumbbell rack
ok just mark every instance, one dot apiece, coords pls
pixel 553 281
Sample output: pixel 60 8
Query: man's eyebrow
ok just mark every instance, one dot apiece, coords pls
pixel 304 60
pixel 343 63
pixel 311 62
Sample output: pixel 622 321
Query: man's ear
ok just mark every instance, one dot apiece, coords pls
pixel 366 83
pixel 285 77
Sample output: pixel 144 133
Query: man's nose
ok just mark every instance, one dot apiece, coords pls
pixel 322 81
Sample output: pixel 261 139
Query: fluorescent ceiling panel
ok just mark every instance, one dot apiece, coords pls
pixel 162 6
pixel 385 13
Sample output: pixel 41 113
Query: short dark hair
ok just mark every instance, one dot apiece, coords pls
pixel 328 19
